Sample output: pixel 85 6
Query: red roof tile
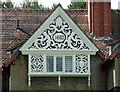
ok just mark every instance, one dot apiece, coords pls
pixel 30 20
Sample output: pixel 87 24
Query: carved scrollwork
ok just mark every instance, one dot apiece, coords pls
pixel 36 62
pixel 81 63
pixel 58 35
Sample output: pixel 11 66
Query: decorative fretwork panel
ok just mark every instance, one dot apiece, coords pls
pixel 81 63
pixel 59 35
pixel 36 64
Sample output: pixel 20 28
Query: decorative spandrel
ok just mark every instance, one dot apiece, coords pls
pixel 58 36
pixel 36 64
pixel 81 63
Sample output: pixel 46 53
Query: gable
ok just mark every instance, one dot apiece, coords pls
pixel 59 32
pixel 59 35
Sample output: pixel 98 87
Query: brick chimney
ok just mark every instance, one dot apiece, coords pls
pixel 99 17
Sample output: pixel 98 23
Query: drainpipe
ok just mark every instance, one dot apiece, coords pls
pixel 5 67
pixel 105 79
pixel 105 75
pixel 4 72
pixel 59 79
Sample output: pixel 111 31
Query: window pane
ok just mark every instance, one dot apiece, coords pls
pixel 68 63
pixel 58 63
pixel 50 64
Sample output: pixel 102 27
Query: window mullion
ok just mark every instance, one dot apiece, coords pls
pixel 88 63
pixel 73 62
pixel 63 64
pixel 29 64
pixel 44 66
pixel 54 64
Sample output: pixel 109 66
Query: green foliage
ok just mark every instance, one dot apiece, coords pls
pixel 54 6
pixel 1 4
pixel 32 4
pixel 7 4
pixel 26 4
pixel 77 5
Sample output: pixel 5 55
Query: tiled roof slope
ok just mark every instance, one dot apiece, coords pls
pixel 30 20
pixel 115 24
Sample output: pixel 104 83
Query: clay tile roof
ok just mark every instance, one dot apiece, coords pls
pixel 30 20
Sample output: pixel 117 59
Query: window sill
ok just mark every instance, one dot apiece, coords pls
pixel 61 74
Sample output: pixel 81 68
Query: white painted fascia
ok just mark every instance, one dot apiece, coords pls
pixel 54 52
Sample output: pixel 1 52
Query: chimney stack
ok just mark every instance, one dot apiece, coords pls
pixel 99 17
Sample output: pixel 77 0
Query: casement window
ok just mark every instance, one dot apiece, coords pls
pixel 59 64
pixel 68 64
pixel 50 63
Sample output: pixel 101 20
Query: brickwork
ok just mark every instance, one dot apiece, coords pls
pixel 107 19
pixel 100 19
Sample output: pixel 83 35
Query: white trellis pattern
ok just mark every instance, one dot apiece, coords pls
pixel 36 64
pixel 81 63
pixel 59 35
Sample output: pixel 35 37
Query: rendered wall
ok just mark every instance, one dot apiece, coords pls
pixel 113 78
pixel 117 71
pixel 19 77
pixel 110 79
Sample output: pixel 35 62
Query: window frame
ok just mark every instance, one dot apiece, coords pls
pixel 68 64
pixel 52 65
pixel 54 73
pixel 56 64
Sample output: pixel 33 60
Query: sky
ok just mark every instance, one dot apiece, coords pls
pixel 64 3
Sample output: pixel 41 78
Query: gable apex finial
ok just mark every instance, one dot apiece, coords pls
pixel 59 5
